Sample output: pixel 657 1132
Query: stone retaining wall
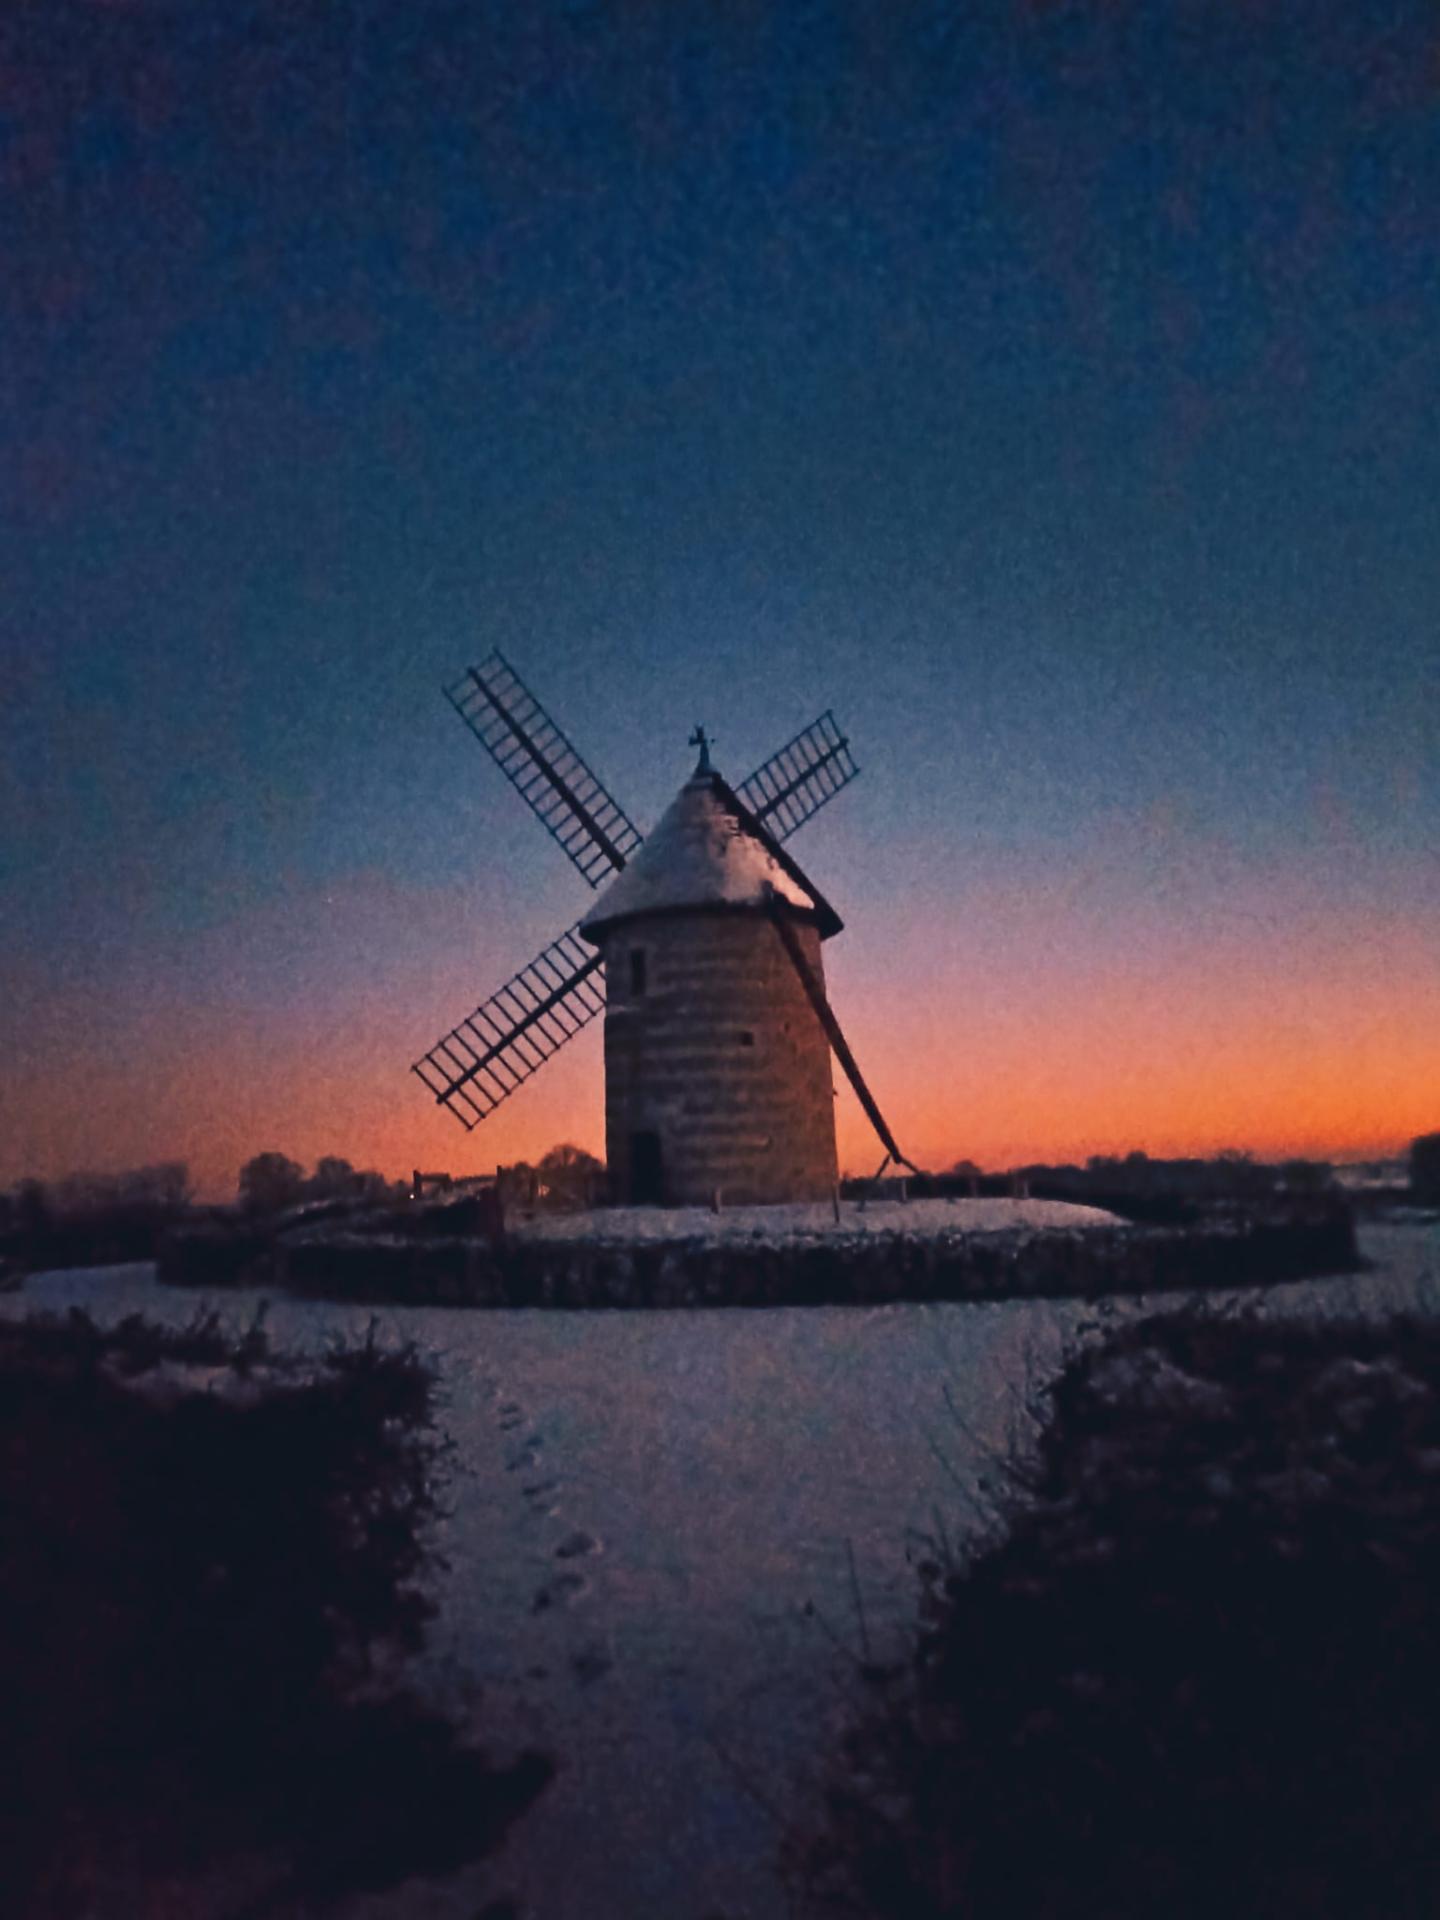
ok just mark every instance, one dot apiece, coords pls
pixel 996 1266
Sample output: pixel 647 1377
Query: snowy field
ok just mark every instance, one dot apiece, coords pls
pixel 813 1224
pixel 653 1518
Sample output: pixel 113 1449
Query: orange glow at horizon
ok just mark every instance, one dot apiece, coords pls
pixel 1291 1036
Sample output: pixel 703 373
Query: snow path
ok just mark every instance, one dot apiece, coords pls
pixel 643 1507
pixel 661 1554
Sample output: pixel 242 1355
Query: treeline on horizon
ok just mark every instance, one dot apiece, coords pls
pixel 101 1219
pixel 1234 1173
pixel 89 1219
pixel 1230 1175
pixel 1183 1191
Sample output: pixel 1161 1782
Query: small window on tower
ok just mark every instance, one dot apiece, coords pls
pixel 637 970
pixel 747 1039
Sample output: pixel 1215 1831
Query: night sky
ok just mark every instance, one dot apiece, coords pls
pixel 1052 389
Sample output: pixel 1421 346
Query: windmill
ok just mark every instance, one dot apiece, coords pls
pixel 703 951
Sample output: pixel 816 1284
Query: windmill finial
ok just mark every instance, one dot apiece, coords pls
pixel 700 739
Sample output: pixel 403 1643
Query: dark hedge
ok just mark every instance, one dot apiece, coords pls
pixel 1193 1673
pixel 208 1562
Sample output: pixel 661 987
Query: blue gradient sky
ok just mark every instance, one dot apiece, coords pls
pixel 1051 389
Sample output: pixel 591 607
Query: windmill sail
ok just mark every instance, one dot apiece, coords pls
pixel 795 783
pixel 539 762
pixel 513 1033
pixel 510 1036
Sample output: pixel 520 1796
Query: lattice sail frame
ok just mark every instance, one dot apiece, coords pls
pixel 495 1050
pixel 512 1034
pixel 793 784
pixel 571 802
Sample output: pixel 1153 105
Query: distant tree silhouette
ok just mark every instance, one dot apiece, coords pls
pixel 566 1157
pixel 568 1172
pixel 332 1177
pixel 166 1184
pixel 76 1193
pixel 271 1181
pixel 32 1209
pixel 1425 1168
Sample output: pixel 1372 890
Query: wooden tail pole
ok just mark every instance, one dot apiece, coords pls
pixel 815 993
pixel 874 1182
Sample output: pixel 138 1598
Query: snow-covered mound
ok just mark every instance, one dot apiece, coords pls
pixel 814 1223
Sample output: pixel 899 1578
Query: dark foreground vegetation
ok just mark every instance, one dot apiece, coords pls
pixel 210 1562
pixel 1192 1674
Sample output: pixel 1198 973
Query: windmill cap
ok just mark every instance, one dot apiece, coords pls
pixel 707 852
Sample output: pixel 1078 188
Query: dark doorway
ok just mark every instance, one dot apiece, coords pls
pixel 645 1180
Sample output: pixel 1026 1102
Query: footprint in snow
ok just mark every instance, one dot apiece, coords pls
pixel 575 1544
pixel 590 1664
pixel 527 1454
pixel 511 1417
pixel 563 1588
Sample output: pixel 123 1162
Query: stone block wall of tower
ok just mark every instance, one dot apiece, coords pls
pixel 716 1068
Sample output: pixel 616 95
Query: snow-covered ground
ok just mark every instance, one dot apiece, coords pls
pixel 915 1219
pixel 654 1520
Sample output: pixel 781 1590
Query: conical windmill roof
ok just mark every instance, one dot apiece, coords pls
pixel 708 851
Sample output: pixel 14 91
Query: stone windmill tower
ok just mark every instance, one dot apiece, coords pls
pixel 717 1072
pixel 704 953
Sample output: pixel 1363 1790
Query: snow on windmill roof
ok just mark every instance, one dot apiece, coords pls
pixel 707 850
